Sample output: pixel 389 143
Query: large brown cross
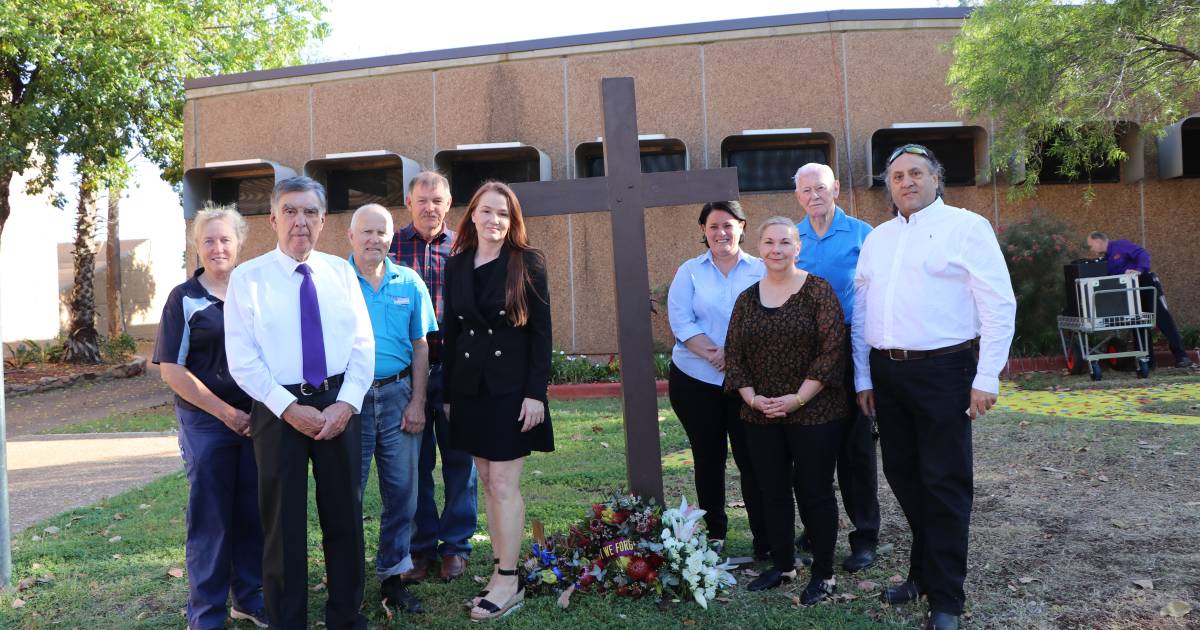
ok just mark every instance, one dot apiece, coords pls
pixel 627 192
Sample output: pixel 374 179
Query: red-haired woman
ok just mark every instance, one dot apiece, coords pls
pixel 496 358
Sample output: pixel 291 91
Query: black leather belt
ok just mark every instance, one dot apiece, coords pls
pixel 388 380
pixel 304 389
pixel 897 354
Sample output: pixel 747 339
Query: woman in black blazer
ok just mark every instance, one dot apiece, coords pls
pixel 496 357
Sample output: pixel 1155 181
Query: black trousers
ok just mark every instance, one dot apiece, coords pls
pixel 793 455
pixel 713 424
pixel 1166 323
pixel 282 454
pixel 857 470
pixel 925 436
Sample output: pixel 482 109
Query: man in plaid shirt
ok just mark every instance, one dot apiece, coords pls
pixel 424 245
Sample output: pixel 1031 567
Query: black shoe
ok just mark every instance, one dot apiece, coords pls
pixel 942 621
pixel 394 593
pixel 816 591
pixel 1184 363
pixel 859 560
pixel 903 593
pixel 771 579
pixel 803 543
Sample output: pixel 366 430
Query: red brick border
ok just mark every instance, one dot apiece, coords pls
pixel 1016 365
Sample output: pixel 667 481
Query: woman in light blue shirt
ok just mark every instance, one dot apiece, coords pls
pixel 699 304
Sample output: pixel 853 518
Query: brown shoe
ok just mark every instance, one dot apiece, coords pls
pixel 419 572
pixel 453 567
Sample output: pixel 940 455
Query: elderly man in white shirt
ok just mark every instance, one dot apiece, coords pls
pixel 299 342
pixel 928 283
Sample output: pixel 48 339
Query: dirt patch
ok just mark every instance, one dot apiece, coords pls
pixel 1068 513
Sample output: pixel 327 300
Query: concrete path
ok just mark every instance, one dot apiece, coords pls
pixel 49 474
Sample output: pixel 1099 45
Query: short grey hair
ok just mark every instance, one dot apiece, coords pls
pixel 429 179
pixel 299 183
pixel 814 167
pixel 1098 236
pixel 367 208
pixel 224 213
pixel 777 220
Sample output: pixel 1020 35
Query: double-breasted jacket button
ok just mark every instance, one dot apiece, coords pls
pixel 497 353
pixel 467 355
pixel 472 331
pixel 501 312
pixel 489 331
pixel 460 316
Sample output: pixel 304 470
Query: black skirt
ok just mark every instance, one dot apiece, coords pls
pixel 486 426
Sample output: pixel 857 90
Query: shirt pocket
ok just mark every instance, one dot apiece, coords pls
pixel 397 310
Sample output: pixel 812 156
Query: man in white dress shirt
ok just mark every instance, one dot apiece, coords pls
pixel 299 341
pixel 928 283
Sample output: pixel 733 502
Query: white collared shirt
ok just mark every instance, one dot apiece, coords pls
pixel 934 280
pixel 262 327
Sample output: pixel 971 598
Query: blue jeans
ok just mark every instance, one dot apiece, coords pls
pixel 224 536
pixel 395 452
pixel 456 524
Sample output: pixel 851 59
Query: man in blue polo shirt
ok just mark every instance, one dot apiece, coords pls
pixel 393 411
pixel 829 245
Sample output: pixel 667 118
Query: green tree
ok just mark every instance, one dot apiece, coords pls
pixel 1062 78
pixel 97 80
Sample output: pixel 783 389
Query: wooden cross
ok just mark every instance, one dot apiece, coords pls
pixel 627 192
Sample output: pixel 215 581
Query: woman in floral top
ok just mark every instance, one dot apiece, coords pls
pixel 784 355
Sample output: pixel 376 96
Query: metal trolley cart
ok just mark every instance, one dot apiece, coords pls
pixel 1101 314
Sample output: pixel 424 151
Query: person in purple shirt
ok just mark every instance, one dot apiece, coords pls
pixel 1128 257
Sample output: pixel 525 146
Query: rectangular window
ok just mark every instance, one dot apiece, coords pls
pixel 768 162
pixel 1050 172
pixel 960 149
pixel 251 195
pixel 351 189
pixel 658 156
pixel 468 168
pixel 1190 138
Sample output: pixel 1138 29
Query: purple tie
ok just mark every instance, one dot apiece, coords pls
pixel 312 342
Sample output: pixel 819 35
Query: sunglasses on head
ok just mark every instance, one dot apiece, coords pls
pixel 915 149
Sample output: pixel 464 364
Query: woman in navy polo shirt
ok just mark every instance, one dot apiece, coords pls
pixel 224 535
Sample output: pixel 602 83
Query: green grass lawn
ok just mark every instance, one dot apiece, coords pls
pixel 93 581
pixel 156 419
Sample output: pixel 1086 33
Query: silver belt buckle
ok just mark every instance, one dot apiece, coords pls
pixel 308 390
pixel 903 355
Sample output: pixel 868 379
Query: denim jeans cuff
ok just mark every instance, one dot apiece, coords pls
pixel 403 566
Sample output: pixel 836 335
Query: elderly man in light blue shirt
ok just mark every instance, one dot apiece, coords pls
pixel 393 411
pixel 829 244
pixel 700 303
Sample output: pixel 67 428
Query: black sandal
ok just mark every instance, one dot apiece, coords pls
pixel 495 612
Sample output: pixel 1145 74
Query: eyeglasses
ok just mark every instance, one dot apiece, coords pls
pixel 915 149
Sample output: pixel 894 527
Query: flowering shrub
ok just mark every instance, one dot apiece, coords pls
pixel 629 547
pixel 566 368
pixel 1036 250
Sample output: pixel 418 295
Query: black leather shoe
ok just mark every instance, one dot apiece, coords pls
pixel 771 579
pixel 1184 363
pixel 816 591
pixel 942 621
pixel 395 594
pixel 859 560
pixel 900 594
